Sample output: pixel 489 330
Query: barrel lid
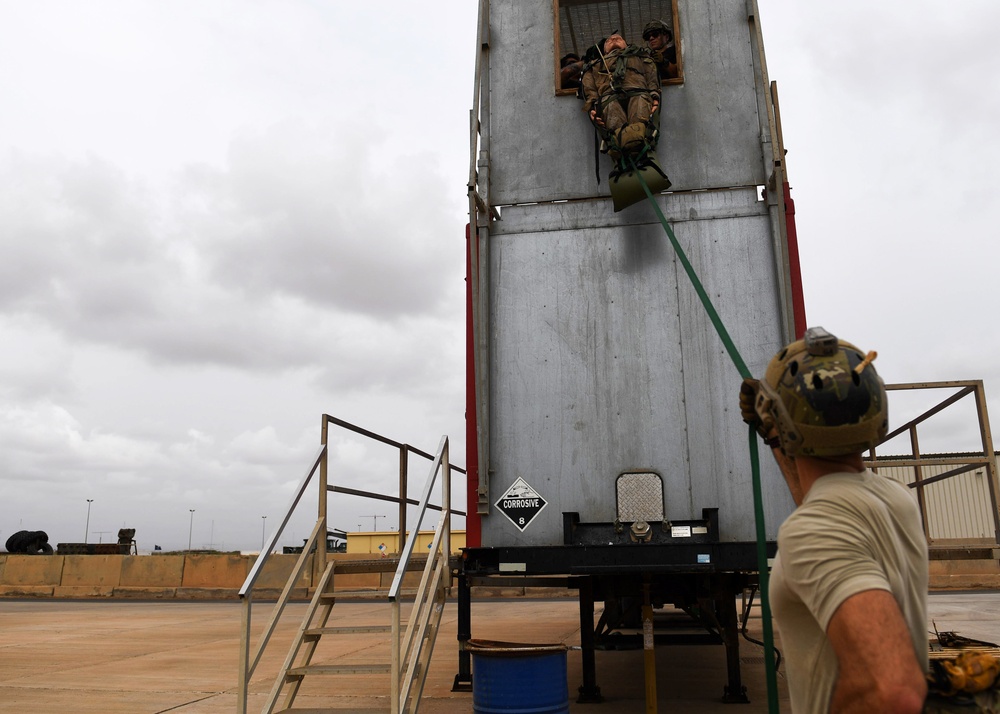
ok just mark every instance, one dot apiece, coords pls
pixel 496 648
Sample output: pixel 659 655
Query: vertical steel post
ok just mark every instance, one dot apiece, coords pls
pixel 319 561
pixel 918 475
pixel 589 692
pixel 991 457
pixel 648 650
pixel 481 298
pixel 395 706
pixel 729 623
pixel 446 505
pixel 463 680
pixel 86 528
pixel 403 461
pixel 243 688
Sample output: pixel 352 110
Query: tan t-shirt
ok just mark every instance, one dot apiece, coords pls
pixel 853 532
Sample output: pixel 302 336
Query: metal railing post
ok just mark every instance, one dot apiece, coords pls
pixel 394 684
pixel 918 477
pixel 446 503
pixel 963 463
pixel 404 458
pixel 319 562
pixel 248 664
pixel 243 689
pixel 991 457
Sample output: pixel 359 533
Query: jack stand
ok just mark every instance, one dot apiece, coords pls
pixel 590 693
pixel 648 650
pixel 734 692
pixel 463 680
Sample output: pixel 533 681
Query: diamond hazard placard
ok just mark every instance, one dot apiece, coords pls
pixel 520 503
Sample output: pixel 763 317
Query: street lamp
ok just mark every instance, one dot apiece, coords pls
pixel 86 529
pixel 190 528
pixel 263 523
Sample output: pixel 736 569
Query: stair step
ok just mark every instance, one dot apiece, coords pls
pixel 356 595
pixel 376 595
pixel 382 565
pixel 374 668
pixel 313 710
pixel 317 631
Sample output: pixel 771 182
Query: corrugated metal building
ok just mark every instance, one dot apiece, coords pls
pixel 957 510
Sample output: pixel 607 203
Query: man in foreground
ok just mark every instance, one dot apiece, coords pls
pixel 849 585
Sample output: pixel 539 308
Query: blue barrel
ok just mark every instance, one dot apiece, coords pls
pixel 509 678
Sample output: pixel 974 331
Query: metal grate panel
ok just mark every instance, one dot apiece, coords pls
pixel 582 22
pixel 640 497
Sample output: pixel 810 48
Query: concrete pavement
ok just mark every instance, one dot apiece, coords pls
pixel 129 657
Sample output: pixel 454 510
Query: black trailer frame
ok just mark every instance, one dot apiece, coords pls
pixel 701 578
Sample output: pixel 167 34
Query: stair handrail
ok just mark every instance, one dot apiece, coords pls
pixel 248 666
pixel 917 461
pixel 411 651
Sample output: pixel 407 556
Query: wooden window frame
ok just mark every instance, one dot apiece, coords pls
pixel 679 79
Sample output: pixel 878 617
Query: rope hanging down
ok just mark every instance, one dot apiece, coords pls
pixel 758 500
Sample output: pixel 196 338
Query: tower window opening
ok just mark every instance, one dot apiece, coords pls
pixel 580 24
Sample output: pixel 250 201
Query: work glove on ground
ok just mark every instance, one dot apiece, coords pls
pixel 971 672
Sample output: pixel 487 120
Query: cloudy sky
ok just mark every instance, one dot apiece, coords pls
pixel 220 220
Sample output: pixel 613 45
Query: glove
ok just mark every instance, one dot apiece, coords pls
pixel 749 390
pixel 972 672
pixel 748 400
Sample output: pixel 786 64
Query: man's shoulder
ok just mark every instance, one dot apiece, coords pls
pixel 845 498
pixel 831 496
pixel 849 486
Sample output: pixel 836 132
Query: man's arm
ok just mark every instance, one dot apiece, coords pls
pixel 878 670
pixel 589 85
pixel 652 79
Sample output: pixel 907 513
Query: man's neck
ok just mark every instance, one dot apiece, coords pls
pixel 813 468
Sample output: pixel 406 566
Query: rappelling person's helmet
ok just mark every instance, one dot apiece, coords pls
pixel 824 396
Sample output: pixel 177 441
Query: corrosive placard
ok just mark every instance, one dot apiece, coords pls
pixel 520 503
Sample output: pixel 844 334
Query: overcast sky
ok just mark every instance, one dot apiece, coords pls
pixel 220 220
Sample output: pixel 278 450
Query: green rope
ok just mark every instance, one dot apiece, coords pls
pixel 758 500
pixel 764 577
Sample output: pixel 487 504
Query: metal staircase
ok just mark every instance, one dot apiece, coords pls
pixel 411 642
pixel 312 630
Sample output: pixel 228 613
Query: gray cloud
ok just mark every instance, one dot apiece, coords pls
pixel 223 238
pixel 246 269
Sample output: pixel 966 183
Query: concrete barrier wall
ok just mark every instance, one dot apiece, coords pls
pixel 211 576
pixel 219 576
pixel 186 576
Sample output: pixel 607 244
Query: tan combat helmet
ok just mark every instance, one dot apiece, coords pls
pixel 824 396
pixel 658 25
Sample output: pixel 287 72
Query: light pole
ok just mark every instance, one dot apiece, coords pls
pixel 190 528
pixel 263 523
pixel 86 529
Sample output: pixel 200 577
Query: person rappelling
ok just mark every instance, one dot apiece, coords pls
pixel 621 92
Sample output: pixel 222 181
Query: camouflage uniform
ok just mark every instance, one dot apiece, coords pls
pixel 666 57
pixel 666 62
pixel 621 86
